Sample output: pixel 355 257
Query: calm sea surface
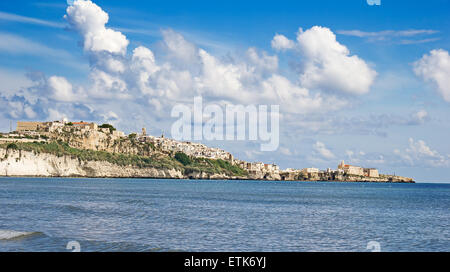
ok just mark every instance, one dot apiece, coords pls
pixel 39 214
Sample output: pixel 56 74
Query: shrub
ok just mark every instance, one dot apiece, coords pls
pixel 180 161
pixel 182 158
pixel 111 128
pixel 12 146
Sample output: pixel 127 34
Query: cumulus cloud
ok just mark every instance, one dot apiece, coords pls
pixel 420 149
pixel 420 117
pixel 107 86
pixel 90 20
pixel 262 60
pixel 419 153
pixel 280 42
pixel 327 64
pixel 56 115
pixel 185 70
pixel 153 79
pixel 435 68
pixel 178 48
pixel 364 159
pixel 321 150
pixel 61 89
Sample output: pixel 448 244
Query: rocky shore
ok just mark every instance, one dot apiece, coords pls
pixel 19 163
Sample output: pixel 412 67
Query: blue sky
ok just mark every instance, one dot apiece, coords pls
pixel 396 120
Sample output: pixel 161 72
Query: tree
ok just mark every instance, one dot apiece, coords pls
pixel 12 146
pixel 111 128
pixel 182 158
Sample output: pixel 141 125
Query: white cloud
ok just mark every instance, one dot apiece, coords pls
pixel 185 71
pixel 178 48
pixel 326 64
pixel 153 80
pixel 435 68
pixel 420 117
pixel 285 151
pixel 29 112
pixel 107 86
pixel 420 149
pixel 90 20
pixel 280 42
pixel 110 116
pixel 219 79
pixel 29 20
pixel 55 115
pixel 143 58
pixel 419 153
pixel 18 45
pixel 61 89
pixel 398 36
pixel 382 35
pixel 323 151
pixel 12 80
pixel 262 61
pixel 364 159
pixel 329 66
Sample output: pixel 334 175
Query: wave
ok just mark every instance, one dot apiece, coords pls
pixel 12 234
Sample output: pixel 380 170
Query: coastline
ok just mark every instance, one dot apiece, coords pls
pixel 19 163
pixel 198 179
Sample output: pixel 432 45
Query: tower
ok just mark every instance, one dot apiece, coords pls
pixel 144 132
pixel 341 165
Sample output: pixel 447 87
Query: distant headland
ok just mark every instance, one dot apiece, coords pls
pixel 84 149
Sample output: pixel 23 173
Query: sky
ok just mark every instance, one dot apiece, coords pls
pixel 368 84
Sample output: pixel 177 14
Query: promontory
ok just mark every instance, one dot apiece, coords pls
pixel 83 149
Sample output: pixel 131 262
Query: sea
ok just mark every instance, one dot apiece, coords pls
pixel 134 215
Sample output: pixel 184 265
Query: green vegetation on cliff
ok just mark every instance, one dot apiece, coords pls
pixel 63 149
pixel 110 127
pixel 160 161
pixel 214 167
pixel 182 158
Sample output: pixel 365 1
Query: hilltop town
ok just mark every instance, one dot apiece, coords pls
pixel 143 155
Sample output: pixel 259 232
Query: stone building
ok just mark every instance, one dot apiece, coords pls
pixel 28 126
pixel 310 170
pixel 351 169
pixel 371 172
pixel 86 125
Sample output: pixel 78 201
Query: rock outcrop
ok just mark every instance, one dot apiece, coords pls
pixel 27 163
pixel 23 163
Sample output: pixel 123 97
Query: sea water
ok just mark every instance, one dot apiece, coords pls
pixel 47 214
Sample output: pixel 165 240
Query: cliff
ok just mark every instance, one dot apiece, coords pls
pixel 17 162
pixel 24 163
pixel 58 159
pixel 342 177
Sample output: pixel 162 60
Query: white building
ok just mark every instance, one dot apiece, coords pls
pixel 310 170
